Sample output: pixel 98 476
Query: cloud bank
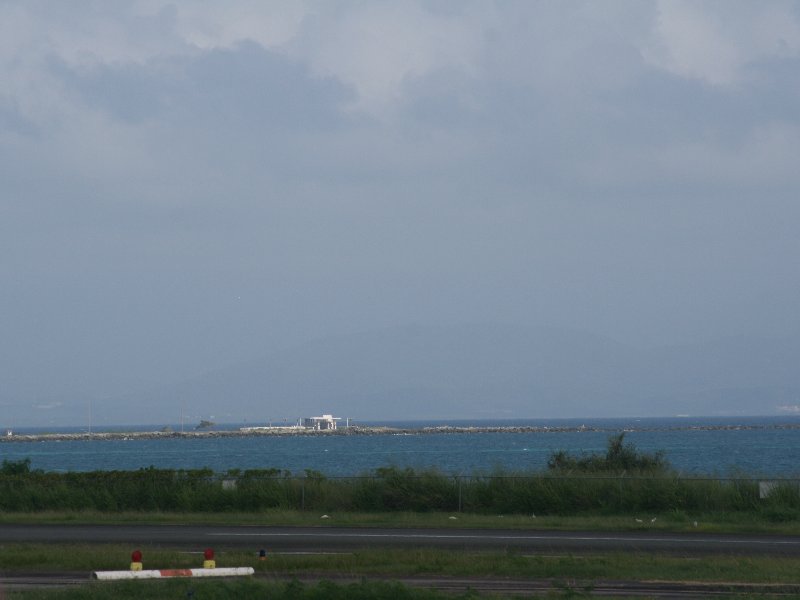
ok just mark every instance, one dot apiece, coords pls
pixel 188 186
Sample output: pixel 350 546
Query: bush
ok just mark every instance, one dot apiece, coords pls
pixel 405 489
pixel 619 457
pixel 16 467
pixel 554 491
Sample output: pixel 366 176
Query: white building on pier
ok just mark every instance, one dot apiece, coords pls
pixel 323 423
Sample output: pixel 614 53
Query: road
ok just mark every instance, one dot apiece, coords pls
pixel 501 586
pixel 341 539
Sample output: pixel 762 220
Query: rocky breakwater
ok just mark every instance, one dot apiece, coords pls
pixel 348 431
pixel 152 435
pixel 266 431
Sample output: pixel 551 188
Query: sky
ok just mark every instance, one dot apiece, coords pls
pixel 184 186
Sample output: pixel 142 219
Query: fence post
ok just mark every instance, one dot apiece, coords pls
pixel 302 495
pixel 458 479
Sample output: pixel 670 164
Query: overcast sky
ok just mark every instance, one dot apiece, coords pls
pixel 187 185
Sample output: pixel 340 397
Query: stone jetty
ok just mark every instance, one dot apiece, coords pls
pixel 355 430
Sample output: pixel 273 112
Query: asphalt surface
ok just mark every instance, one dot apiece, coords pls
pixel 340 539
pixel 502 586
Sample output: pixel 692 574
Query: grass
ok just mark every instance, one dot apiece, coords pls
pixel 241 588
pixel 295 590
pixel 374 571
pixel 669 521
pixel 389 489
pixel 621 483
pixel 27 558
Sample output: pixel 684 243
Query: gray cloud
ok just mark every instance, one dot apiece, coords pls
pixel 242 87
pixel 185 189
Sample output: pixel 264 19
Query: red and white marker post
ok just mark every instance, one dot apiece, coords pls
pixel 209 570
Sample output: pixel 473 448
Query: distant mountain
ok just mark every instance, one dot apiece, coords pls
pixel 483 371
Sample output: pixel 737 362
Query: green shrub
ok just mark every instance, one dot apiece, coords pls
pixel 619 457
pixel 552 492
pixel 16 467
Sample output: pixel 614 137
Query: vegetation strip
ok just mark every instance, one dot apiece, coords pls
pixel 622 482
pixel 432 587
pixel 722 522
pixel 244 589
pixel 722 570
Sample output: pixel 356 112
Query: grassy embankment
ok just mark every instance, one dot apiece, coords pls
pixel 242 589
pixel 416 562
pixel 622 489
pixel 709 522
pixel 579 571
pixel 325 590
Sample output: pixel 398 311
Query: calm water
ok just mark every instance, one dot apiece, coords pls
pixel 769 450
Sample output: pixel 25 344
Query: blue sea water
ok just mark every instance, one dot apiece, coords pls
pixel 759 446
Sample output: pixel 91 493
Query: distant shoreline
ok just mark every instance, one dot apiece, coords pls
pixel 363 430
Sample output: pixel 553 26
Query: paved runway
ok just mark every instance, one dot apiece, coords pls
pixel 340 539
pixel 503 586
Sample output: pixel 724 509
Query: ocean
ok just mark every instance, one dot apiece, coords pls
pixel 729 446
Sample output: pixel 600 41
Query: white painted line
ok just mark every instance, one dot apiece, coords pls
pixel 310 553
pixel 511 537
